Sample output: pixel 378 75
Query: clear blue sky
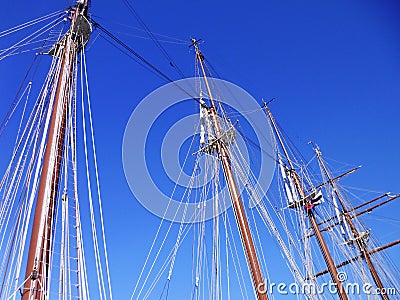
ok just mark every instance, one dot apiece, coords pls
pixel 334 67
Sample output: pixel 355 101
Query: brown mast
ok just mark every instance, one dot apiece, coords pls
pixel 245 234
pixel 310 213
pixel 38 261
pixel 358 238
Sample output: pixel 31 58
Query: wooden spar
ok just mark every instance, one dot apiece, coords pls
pixel 357 236
pixel 310 213
pixel 355 208
pixel 394 243
pixel 38 260
pixel 342 264
pixel 368 210
pixel 337 177
pixel 245 234
pixel 369 202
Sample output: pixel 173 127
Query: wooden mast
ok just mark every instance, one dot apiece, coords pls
pixel 310 213
pixel 359 240
pixel 245 234
pixel 38 261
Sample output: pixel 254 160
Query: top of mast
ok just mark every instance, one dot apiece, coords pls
pixel 80 28
pixel 83 5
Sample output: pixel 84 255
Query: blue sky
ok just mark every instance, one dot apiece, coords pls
pixel 334 67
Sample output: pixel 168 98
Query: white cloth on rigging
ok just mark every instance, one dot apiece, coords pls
pixel 290 190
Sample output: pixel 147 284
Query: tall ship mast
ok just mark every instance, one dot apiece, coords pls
pixel 353 238
pixel 237 204
pixel 38 265
pixel 247 216
pixel 43 256
pixel 327 248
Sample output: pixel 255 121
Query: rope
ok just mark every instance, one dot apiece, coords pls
pixel 97 179
pixel 27 24
pixel 82 280
pixel 15 102
pixel 30 37
pixel 153 38
pixel 159 228
pixel 166 234
pixel 142 61
pixel 100 281
pixel 166 286
pixel 147 38
pixel 28 211
pixel 142 30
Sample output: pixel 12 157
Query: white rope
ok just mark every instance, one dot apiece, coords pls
pixel 54 71
pixel 28 43
pixel 215 265
pixel 27 90
pixel 27 24
pixel 18 254
pixel 157 233
pixel 257 199
pixel 29 38
pixel 153 33
pixel 179 234
pixel 100 281
pixel 97 179
pixel 227 257
pixel 184 231
pixel 82 280
pixel 12 188
pixel 236 262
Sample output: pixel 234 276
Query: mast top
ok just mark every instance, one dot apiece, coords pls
pixel 80 29
pixel 266 103
pixel 316 148
pixel 80 8
pixel 195 42
pixel 200 55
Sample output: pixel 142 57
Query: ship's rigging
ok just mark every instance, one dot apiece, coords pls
pixel 308 216
pixel 300 220
pixel 304 204
pixel 40 207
